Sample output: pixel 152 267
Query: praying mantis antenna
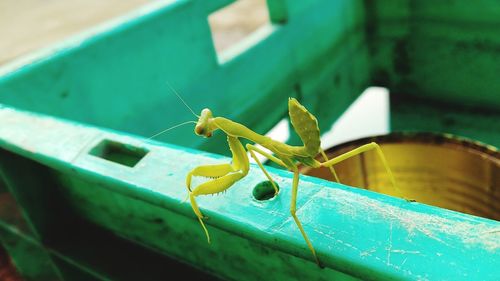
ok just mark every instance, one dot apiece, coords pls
pixel 181 124
pixel 173 127
pixel 179 96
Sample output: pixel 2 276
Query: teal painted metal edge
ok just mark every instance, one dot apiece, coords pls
pixel 406 240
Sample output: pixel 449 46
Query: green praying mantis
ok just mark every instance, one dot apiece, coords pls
pixel 223 176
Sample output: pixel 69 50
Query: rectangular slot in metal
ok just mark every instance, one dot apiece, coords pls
pixel 120 153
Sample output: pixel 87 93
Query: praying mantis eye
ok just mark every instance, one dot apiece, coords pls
pixel 199 130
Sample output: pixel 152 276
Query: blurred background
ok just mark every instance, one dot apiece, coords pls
pixel 29 25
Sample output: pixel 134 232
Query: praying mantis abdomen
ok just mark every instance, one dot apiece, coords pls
pixel 306 126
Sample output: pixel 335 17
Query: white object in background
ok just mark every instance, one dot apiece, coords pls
pixel 367 116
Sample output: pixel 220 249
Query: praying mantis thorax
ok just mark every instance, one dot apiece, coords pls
pixel 304 123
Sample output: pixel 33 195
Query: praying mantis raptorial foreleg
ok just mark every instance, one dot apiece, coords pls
pixel 225 175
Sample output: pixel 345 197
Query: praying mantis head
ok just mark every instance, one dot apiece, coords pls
pixel 205 126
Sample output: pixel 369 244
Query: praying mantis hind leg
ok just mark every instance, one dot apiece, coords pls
pixel 359 150
pixel 332 170
pixel 295 185
pixel 293 210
